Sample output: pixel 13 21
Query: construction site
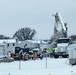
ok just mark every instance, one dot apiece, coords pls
pixel 62 45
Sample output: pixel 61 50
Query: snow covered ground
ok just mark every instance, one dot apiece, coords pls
pixel 38 67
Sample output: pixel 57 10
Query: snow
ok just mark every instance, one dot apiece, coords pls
pixel 7 41
pixel 49 66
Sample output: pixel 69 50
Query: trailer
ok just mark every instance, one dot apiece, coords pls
pixel 72 53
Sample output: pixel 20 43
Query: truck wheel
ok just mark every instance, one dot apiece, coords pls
pixel 56 56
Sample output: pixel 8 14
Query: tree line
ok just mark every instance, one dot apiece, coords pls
pixel 28 34
pixel 22 34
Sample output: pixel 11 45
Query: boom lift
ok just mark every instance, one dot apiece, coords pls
pixel 60 28
pixel 60 37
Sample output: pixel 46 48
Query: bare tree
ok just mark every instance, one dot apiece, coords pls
pixel 73 37
pixel 25 34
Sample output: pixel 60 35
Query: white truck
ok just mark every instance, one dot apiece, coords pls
pixel 60 39
pixel 61 49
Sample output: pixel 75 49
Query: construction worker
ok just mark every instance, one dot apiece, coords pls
pixel 51 52
pixel 31 52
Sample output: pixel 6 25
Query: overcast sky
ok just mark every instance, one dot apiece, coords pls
pixel 36 14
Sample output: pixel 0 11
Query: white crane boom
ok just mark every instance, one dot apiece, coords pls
pixel 60 40
pixel 60 20
pixel 62 33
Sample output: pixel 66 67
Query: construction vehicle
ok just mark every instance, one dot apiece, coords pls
pixel 22 53
pixel 60 39
pixel 61 49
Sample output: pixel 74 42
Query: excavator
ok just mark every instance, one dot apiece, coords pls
pixel 60 38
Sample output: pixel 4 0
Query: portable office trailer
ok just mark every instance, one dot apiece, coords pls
pixel 72 53
pixel 28 44
pixel 10 47
pixel 7 45
pixel 2 49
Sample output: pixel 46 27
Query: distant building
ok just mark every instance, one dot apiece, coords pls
pixel 7 45
pixel 29 44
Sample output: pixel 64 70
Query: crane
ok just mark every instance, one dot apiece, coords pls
pixel 60 40
pixel 62 32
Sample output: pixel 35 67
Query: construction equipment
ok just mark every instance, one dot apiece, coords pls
pixel 60 40
pixel 60 28
pixel 25 53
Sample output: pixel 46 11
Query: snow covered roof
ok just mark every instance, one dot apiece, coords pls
pixel 7 41
pixel 34 41
pixel 37 41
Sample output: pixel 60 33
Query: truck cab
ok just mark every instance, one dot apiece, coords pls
pixel 61 49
